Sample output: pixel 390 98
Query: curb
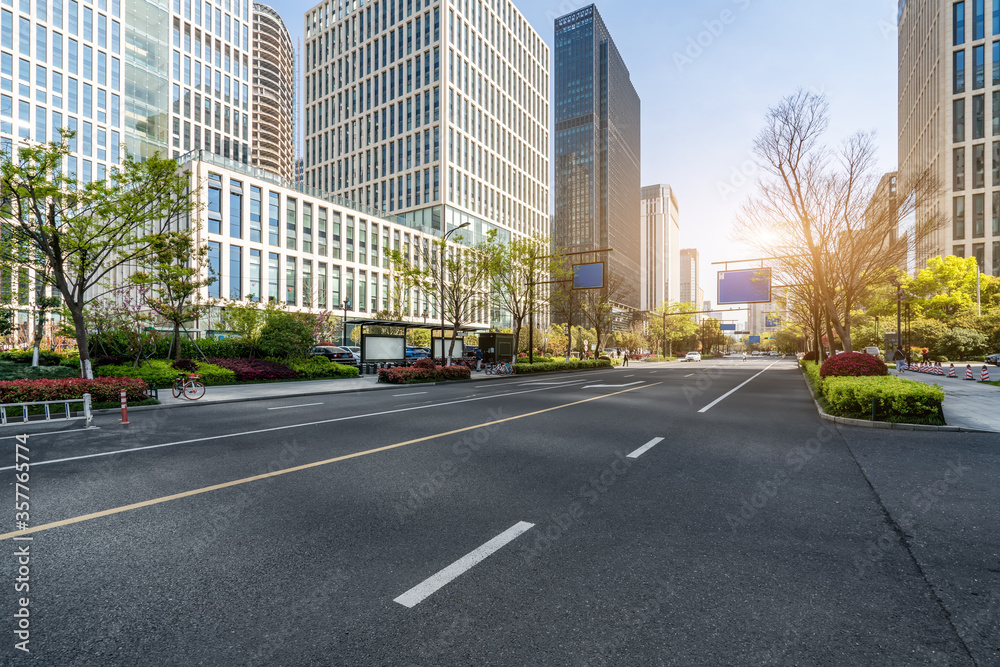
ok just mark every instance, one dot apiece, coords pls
pixel 866 423
pixel 378 387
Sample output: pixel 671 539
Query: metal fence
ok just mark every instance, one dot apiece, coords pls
pixel 50 414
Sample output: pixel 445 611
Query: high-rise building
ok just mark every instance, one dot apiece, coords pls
pixel 660 252
pixel 434 111
pixel 689 277
pixel 273 146
pixel 597 150
pixel 949 85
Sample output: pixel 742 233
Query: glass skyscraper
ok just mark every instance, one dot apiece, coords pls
pixel 597 156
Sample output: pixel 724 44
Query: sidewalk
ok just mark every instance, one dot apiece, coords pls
pixel 250 392
pixel 966 404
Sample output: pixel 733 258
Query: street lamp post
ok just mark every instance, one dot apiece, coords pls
pixel 346 305
pixel 444 247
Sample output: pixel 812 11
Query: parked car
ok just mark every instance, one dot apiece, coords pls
pixel 693 356
pixel 993 359
pixel 417 352
pixel 355 350
pixel 335 354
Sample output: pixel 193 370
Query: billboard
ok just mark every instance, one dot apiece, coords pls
pixel 383 348
pixel 744 286
pixel 588 276
pixel 772 321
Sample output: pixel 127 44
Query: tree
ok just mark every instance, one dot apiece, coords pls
pixel 173 273
pixel 458 277
pixel 945 289
pixel 517 268
pixel 673 328
pixel 285 336
pixel 821 215
pixel 43 305
pixel 86 232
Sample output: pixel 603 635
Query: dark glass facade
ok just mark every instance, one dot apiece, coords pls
pixel 597 148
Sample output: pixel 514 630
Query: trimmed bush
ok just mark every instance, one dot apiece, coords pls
pixel 285 336
pixel 572 364
pixel 10 370
pixel 414 374
pixel 185 365
pixel 810 356
pixel 45 357
pixel 425 364
pixel 255 370
pixel 101 390
pixel 162 374
pixel 903 400
pixel 319 367
pixel 853 364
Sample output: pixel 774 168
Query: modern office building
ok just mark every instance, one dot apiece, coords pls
pixel 597 149
pixel 660 253
pixel 689 277
pixel 949 123
pixel 270 239
pixel 274 80
pixel 430 110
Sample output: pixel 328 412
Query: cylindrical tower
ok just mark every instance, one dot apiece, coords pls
pixel 273 94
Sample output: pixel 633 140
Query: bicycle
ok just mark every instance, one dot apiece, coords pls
pixel 186 385
pixel 499 369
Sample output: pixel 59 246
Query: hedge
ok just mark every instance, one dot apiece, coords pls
pixel 10 370
pixel 320 368
pixel 572 364
pixel 897 400
pixel 902 400
pixel 45 357
pixel 254 370
pixel 102 390
pixel 417 375
pixel 162 374
pixel 853 364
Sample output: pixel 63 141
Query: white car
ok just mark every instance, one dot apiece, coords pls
pixel 693 356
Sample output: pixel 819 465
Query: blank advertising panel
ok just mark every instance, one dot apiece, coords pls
pixel 383 348
pixel 744 286
pixel 588 276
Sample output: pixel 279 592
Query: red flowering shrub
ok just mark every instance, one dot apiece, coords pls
pixel 254 370
pixel 852 364
pixel 426 364
pixel 423 374
pixel 456 372
pixel 102 390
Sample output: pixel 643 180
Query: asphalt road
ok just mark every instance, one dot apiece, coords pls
pixel 625 517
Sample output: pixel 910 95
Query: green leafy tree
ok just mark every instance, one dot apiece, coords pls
pixel 173 273
pixel 961 344
pixel 945 289
pixel 86 232
pixel 517 268
pixel 285 336
pixel 674 328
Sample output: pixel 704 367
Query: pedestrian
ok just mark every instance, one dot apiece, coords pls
pixel 479 359
pixel 744 355
pixel 624 358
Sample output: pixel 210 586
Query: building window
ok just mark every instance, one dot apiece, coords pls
pixel 958 222
pixel 959 169
pixel 255 276
pixel 321 237
pixel 321 286
pixel 978 216
pixel 979 166
pixel 273 221
pixel 979 66
pixel 291 211
pixel 362 291
pixel 996 114
pixel 307 283
pixel 214 263
pixel 306 227
pixel 273 267
pixel 978 19
pixel 335 286
pixel 978 117
pixel 255 220
pixel 290 281
pixel 335 235
pixel 235 214
pixel 996 163
pixel 235 272
pixel 958 72
pixel 996 258
pixel 214 207
pixel 979 252
pixel 958 251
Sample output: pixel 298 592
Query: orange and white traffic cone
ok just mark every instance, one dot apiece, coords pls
pixel 951 371
pixel 968 372
pixel 985 375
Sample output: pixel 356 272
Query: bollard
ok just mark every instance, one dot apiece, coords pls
pixel 874 403
pixel 88 415
pixel 124 408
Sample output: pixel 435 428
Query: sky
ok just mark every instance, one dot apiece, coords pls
pixel 708 71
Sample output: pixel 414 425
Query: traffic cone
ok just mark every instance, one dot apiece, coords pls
pixel 951 371
pixel 940 369
pixel 968 372
pixel 985 375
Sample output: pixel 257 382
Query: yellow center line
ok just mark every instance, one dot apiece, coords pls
pixel 285 471
pixel 689 375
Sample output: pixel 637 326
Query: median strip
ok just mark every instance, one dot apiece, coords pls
pixel 431 585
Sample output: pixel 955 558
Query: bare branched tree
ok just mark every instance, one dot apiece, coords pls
pixel 821 215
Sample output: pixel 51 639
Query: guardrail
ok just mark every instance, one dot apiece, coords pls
pixel 88 414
